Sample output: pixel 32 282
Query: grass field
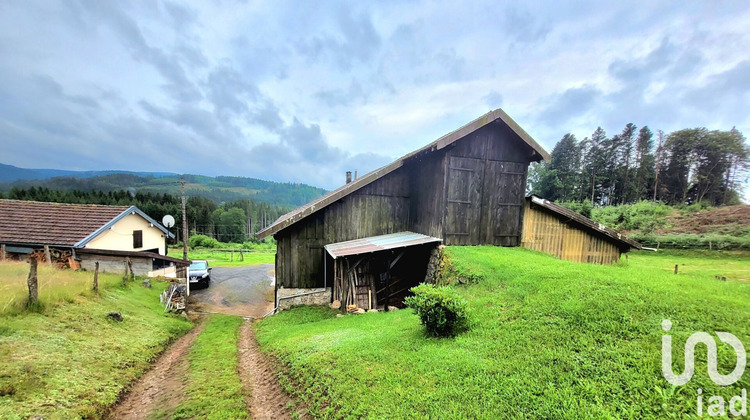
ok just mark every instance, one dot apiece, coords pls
pixel 550 339
pixel 217 258
pixel 55 286
pixel 70 361
pixel 214 389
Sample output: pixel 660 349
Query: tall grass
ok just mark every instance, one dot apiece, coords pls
pixel 55 286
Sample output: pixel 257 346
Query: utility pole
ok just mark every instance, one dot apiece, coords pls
pixel 184 220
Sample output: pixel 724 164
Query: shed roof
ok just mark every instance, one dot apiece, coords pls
pixel 379 243
pixel 621 240
pixel 306 210
pixel 61 224
pixel 142 254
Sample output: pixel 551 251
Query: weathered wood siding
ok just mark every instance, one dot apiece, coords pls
pixel 485 187
pixel 376 209
pixel 469 193
pixel 546 232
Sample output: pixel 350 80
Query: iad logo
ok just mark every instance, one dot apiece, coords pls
pixel 716 407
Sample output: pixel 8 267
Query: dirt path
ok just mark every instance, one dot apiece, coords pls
pixel 162 388
pixel 264 396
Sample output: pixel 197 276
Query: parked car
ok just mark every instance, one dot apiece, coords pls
pixel 200 273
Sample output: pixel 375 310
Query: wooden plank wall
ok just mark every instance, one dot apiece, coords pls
pixel 426 186
pixel 546 232
pixel 376 209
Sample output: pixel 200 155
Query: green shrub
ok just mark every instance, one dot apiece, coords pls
pixel 693 241
pixel 584 208
pixel 203 241
pixel 442 311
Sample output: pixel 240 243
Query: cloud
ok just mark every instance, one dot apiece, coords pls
pixel 302 92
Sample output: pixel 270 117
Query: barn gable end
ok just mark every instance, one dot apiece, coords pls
pixel 466 189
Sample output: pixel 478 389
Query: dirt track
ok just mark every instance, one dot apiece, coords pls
pixel 161 388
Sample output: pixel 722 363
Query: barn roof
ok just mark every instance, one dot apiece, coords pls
pixel 379 243
pixel 444 141
pixel 61 224
pixel 621 240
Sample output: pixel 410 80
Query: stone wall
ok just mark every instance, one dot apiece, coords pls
pixel 317 296
pixel 111 264
pixel 435 265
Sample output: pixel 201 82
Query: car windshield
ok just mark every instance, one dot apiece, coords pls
pixel 198 266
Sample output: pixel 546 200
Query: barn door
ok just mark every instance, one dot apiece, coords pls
pixel 503 197
pixel 463 206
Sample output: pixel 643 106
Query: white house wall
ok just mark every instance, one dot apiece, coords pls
pixel 119 237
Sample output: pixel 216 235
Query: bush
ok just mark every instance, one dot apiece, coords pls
pixel 693 241
pixel 644 216
pixel 442 311
pixel 203 241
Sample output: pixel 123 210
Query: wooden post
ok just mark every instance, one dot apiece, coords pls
pixel 184 221
pixel 47 255
pixel 387 284
pixel 125 277
pixel 32 282
pixel 2 252
pixel 675 268
pixel 130 268
pixel 242 256
pixel 231 256
pixel 96 276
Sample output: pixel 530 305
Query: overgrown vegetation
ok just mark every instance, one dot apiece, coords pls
pixel 440 309
pixel 550 339
pixel 70 361
pixel 55 286
pixel 224 257
pixel 215 390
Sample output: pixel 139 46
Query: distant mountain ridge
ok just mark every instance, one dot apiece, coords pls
pixel 10 173
pixel 219 189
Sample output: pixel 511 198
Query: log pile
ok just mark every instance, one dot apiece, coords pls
pixel 174 298
pixel 59 258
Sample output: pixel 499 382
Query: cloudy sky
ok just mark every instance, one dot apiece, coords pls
pixel 302 91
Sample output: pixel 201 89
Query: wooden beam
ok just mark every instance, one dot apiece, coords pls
pixel 397 258
pixel 387 285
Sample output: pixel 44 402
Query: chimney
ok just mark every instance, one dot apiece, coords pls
pixel 348 176
pixel 355 174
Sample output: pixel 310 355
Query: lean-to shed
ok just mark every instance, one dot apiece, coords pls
pixel 568 235
pixel 465 188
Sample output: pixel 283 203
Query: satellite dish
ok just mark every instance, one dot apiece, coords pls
pixel 167 221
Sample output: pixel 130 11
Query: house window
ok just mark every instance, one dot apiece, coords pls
pixel 137 239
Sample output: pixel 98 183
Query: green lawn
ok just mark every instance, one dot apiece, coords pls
pixel 70 361
pixel 215 390
pixel 226 259
pixel 550 339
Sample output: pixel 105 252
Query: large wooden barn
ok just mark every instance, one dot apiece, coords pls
pixel 465 188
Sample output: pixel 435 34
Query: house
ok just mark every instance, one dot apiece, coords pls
pixel 371 239
pixel 85 234
pixel 568 235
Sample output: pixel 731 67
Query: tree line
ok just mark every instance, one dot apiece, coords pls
pixel 684 167
pixel 237 221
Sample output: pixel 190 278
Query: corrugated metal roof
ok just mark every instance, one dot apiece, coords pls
pixel 302 212
pixel 378 243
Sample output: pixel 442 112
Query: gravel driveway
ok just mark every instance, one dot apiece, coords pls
pixel 245 291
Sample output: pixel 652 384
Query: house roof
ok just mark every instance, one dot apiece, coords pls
pixel 379 243
pixel 69 225
pixel 306 210
pixel 143 254
pixel 587 224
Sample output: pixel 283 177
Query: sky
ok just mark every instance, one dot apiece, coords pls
pixel 304 91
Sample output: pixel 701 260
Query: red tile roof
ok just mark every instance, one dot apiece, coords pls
pixel 35 223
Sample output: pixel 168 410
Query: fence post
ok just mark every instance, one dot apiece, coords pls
pixel 242 256
pixel 130 267
pixel 125 277
pixel 96 276
pixel 2 252
pixel 47 255
pixel 675 268
pixel 32 282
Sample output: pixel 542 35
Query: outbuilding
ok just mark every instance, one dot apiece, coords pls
pixel 465 188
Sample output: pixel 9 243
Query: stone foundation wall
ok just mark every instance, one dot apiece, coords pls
pixel 435 265
pixel 108 264
pixel 317 296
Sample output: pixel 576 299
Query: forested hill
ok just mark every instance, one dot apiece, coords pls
pixel 219 189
